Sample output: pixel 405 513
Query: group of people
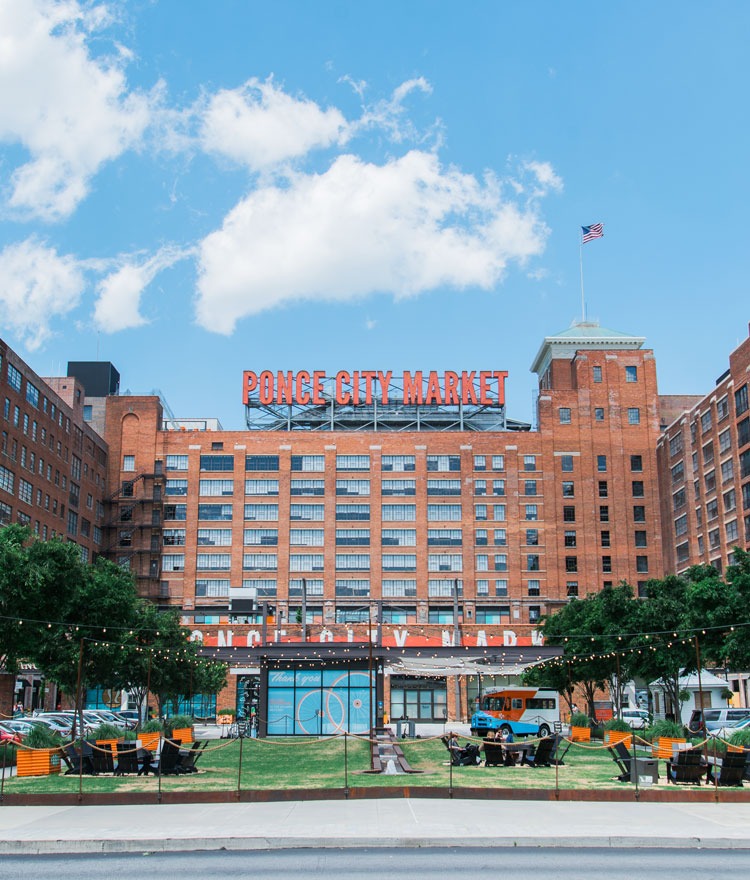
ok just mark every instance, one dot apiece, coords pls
pixel 470 753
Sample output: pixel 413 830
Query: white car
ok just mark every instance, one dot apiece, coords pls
pixel 638 719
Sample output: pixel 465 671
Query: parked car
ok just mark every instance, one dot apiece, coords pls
pixel 729 729
pixel 57 724
pixel 8 734
pixel 103 716
pixel 716 718
pixel 132 716
pixel 638 719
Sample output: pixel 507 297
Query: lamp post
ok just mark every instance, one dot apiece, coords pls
pixel 456 643
pixel 304 609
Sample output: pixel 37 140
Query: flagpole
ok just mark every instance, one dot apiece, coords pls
pixel 583 301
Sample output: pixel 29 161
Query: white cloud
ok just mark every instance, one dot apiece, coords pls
pixel 545 176
pixel 36 286
pixel 118 304
pixel 71 112
pixel 259 125
pixel 404 227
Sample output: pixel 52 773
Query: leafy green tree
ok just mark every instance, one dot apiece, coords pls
pixel 38 580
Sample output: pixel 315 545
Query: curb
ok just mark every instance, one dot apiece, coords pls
pixel 238 844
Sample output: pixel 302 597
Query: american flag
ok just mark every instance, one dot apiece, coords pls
pixel 596 230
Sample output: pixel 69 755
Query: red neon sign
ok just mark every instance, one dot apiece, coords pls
pixel 364 387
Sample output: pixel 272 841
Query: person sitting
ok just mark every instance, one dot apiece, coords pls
pixel 462 755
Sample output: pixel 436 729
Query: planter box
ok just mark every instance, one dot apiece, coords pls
pixel 663 746
pixel 225 719
pixel 580 734
pixel 109 742
pixel 37 762
pixel 150 741
pixel 183 734
pixel 614 736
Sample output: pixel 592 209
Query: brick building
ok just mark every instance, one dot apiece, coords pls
pixel 432 526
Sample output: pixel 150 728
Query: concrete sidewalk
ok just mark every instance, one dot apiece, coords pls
pixel 393 822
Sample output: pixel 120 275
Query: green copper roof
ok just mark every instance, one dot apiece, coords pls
pixel 582 334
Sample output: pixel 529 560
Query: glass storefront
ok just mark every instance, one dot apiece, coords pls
pixel 306 701
pixel 418 699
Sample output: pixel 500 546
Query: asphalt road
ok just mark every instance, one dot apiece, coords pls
pixel 416 864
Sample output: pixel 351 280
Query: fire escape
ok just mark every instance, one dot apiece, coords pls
pixel 133 530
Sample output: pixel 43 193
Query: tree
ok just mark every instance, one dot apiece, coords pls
pixel 37 582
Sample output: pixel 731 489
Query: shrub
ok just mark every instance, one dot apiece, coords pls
pixel 580 719
pixel 740 738
pixel 107 731
pixel 617 724
pixel 152 726
pixel 672 729
pixel 226 712
pixel 41 737
pixel 179 721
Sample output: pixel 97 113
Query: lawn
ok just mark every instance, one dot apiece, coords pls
pixel 291 763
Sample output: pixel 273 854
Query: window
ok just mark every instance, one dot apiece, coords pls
pixel 533 587
pixel 352 487
pixel 607 564
pixel 308 463
pixel 603 489
pixel 730 501
pixel 443 463
pixel 173 562
pixel 499 537
pixel 706 422
pixel 569 539
pixel 300 487
pixel 571 588
pixel 675 445
pixel 352 462
pixel 309 537
pixel 743 432
pixel 128 462
pixel 498 512
pixel 217 462
pixel 532 537
pixel 480 462
pixel 569 514
pixel 177 462
pixel 260 537
pixel 631 374
pixel 261 462
pixel 603 513
pixel 175 511
pixel 712 509
pixel 568 489
pixel 637 486
pixel 641 539
pixel 529 487
pixel 571 563
pixel 678 499
pixel 708 453
pixel 634 415
pixel 217 588
pixel 566 463
pixel 215 487
pixel 636 463
pixel 678 472
pixel 444 562
pixel 314 561
pixel 732 531
pixel 710 480
pixel 352 587
pixel 480 538
pixel 399 463
pixel 14 378
pixel 406 512
pixel 598 413
pixel 641 564
pixel 353 512
pixel 444 487
pixel 605 539
pixel 498 487
pixel 442 537
pixel 399 487
pixel 399 562
pixel 740 400
pixel 597 371
pixel 261 487
pixel 310 512
pixel 260 562
pixel 564 414
pixel 480 512
pixel 214 537
pixel 639 513
pixel 529 462
pixel 401 537
pixel 498 462
pixel 725 441
pixel 25 491
pixel 681 525
pixel 531 513
pixel 532 562
pixel 262 512
pixel 722 408
pixel 480 487
pixel 399 587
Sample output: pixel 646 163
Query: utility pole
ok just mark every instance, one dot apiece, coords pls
pixel 304 609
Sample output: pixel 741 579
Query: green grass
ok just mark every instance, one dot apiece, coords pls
pixel 290 763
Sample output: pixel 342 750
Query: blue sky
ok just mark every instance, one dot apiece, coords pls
pixel 194 189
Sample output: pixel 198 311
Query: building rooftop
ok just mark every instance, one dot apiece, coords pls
pixel 580 335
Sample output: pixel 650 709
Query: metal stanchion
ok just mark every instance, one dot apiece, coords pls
pixel 239 768
pixel 346 764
